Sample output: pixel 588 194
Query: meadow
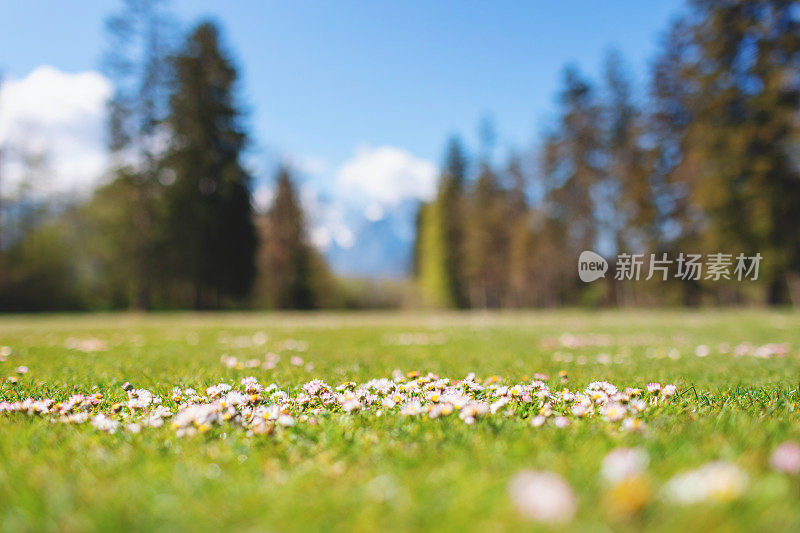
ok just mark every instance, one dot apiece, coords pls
pixel 468 426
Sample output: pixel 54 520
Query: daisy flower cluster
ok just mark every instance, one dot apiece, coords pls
pixel 260 409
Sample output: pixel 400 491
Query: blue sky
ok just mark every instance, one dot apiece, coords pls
pixel 325 81
pixel 321 77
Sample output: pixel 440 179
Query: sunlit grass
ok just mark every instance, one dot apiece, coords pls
pixel 360 472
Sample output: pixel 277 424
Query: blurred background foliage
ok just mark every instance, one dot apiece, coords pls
pixel 706 159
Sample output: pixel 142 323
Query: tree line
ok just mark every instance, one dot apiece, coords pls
pixel 174 225
pixel 707 161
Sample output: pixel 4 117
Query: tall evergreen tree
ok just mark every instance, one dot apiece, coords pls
pixel 744 66
pixel 137 62
pixel 680 223
pixel 451 198
pixel 209 223
pixel 486 249
pixel 441 235
pixel 416 250
pixel 668 122
pixel 288 261
pixel 520 238
pixel 628 179
pixel 435 280
pixel 627 211
pixel 572 168
pixel 575 166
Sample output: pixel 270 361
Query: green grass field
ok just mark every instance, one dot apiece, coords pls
pixel 339 471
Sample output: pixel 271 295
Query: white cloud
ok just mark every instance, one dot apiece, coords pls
pixel 60 116
pixel 387 175
pixel 374 212
pixel 365 188
pixel 326 218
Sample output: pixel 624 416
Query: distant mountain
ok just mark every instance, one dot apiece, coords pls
pixel 382 248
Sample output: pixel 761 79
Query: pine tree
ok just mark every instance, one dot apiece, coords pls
pixel 451 198
pixel 138 63
pixel 520 238
pixel 486 253
pixel 416 251
pixel 440 236
pixel 209 222
pixel 287 261
pixel 434 278
pixel 628 179
pixel 744 93
pixel 575 167
pixel 673 163
pixel 567 221
pixel 626 193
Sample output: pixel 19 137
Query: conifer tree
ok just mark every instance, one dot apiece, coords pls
pixel 434 277
pixel 287 261
pixel 486 252
pixel 137 62
pixel 520 238
pixel 628 175
pixel 668 123
pixel 744 68
pixel 209 220
pixel 451 198
pixel 575 163
pixel 441 236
